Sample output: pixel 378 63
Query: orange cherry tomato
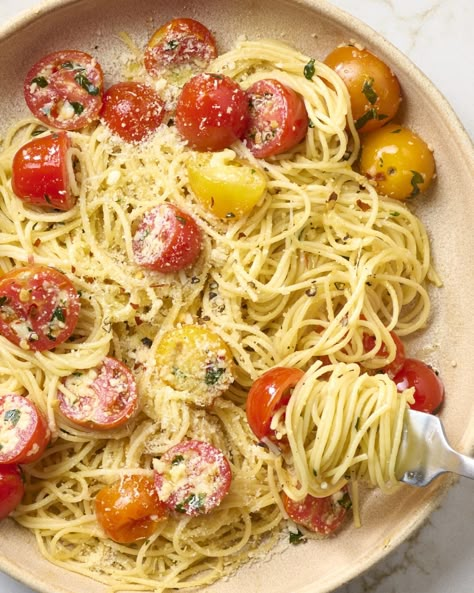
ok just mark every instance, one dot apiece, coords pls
pixel 429 390
pixel 129 510
pixel 11 489
pixel 373 88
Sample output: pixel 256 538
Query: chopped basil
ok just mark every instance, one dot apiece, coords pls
pixel 86 84
pixel 147 342
pixel 315 473
pixel 296 538
pixel 58 314
pixel 67 66
pixel 311 124
pixel 356 425
pixel 397 131
pixel 78 107
pixel 213 374
pixel 368 91
pixel 3 300
pixel 13 416
pixel 415 180
pixel 369 115
pixel 345 501
pixel 37 133
pixel 171 45
pixel 194 502
pixel 40 81
pixel 177 459
pixel 182 220
pixel 394 213
pixel 309 70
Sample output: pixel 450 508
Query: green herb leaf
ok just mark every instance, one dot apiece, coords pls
pixel 177 459
pixel 311 124
pixel 369 115
pixel 86 84
pixel 147 342
pixel 296 538
pixel 58 314
pixel 213 374
pixel 38 132
pixel 415 180
pixel 40 81
pixel 309 70
pixel 368 91
pixel 67 66
pixel 397 131
pixel 171 45
pixel 345 501
pixel 13 416
pixel 3 300
pixel 78 107
pixel 394 213
pixel 182 220
pixel 194 502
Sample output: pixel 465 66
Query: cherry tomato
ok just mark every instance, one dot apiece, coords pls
pixel 40 175
pixel 228 188
pixel 269 393
pixel 24 432
pixel 101 398
pixel 130 509
pixel 398 161
pixel 64 89
pixel 132 110
pixel 192 477
pixel 167 239
pixel 393 367
pixel 321 515
pixel 195 359
pixel 429 390
pixel 39 307
pixel 11 489
pixel 278 118
pixel 373 88
pixel 211 112
pixel 180 42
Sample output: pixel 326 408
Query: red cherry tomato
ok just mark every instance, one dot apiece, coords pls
pixel 192 477
pixel 167 239
pixel 179 42
pixel 211 112
pixel 278 118
pixel 64 89
pixel 11 489
pixel 392 368
pixel 40 175
pixel 132 110
pixel 321 515
pixel 268 393
pixel 101 398
pixel 39 307
pixel 130 509
pixel 429 390
pixel 24 432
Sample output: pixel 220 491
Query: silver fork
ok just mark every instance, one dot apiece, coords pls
pixel 425 452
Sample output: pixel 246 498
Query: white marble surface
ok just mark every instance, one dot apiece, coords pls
pixel 437 35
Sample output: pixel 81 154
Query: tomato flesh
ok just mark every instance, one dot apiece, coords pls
pixel 192 477
pixel 268 393
pixel 211 112
pixel 167 239
pixel 393 367
pixel 278 118
pixel 40 175
pixel 132 110
pixel 129 510
pixel 39 307
pixel 11 489
pixel 321 515
pixel 102 398
pixel 64 89
pixel 429 390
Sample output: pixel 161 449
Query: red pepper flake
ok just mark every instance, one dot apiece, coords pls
pixel 134 306
pixel 363 205
pixel 73 269
pixel 138 321
pixel 37 243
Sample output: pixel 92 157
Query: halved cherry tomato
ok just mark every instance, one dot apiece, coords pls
pixel 429 390
pixel 167 239
pixel 321 515
pixel 227 187
pixel 373 88
pixel 393 367
pixel 398 161
pixel 180 42
pixel 132 110
pixel 11 489
pixel 40 175
pixel 278 118
pixel 130 509
pixel 39 307
pixel 24 432
pixel 192 477
pixel 269 393
pixel 101 398
pixel 211 112
pixel 195 359
pixel 64 89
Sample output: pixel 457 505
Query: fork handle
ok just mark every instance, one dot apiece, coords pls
pixel 459 464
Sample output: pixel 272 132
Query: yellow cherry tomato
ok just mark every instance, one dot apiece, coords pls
pixel 373 88
pixel 196 360
pixel 224 185
pixel 399 162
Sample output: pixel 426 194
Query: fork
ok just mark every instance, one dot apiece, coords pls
pixel 425 452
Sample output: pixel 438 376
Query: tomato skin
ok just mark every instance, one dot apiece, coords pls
pixel 211 112
pixel 206 481
pixel 106 396
pixel 393 367
pixel 399 162
pixel 24 425
pixel 373 88
pixel 39 172
pixel 11 489
pixel 132 110
pixel 429 390
pixel 167 239
pixel 321 515
pixel 278 118
pixel 179 42
pixel 64 89
pixel 268 393
pixel 129 510
pixel 39 307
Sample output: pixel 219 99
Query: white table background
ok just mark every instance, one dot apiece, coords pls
pixel 438 36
